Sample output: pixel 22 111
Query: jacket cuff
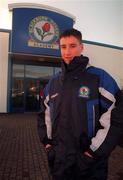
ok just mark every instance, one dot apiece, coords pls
pixel 91 153
pixel 47 141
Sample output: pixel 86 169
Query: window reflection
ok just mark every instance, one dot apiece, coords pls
pixel 18 87
pixel 28 84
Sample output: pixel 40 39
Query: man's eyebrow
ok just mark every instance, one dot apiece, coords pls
pixel 62 44
pixel 72 44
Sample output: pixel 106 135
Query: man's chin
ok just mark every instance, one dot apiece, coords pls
pixel 67 61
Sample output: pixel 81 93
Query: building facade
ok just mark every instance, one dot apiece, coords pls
pixel 30 55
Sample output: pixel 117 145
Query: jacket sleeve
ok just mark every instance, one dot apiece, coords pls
pixel 111 121
pixel 44 120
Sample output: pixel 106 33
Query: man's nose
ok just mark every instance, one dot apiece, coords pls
pixel 67 50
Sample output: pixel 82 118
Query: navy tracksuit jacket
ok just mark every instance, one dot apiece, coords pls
pixel 77 116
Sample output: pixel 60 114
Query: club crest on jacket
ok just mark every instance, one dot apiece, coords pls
pixel 84 92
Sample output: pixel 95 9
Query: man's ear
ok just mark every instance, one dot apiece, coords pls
pixel 82 47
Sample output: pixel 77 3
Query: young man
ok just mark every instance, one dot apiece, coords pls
pixel 79 123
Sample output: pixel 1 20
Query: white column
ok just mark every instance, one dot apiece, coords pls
pixel 4 43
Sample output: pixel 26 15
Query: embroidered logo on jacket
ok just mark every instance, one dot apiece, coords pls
pixel 84 92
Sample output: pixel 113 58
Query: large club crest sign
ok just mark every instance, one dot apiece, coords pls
pixel 36 30
pixel 43 33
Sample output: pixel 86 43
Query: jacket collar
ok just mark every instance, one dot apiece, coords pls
pixel 78 63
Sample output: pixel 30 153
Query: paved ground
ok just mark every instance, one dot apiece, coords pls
pixel 22 157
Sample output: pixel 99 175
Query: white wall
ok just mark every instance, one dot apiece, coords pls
pixel 107 58
pixel 99 20
pixel 4 41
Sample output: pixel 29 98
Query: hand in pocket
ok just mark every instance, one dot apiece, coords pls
pixel 84 163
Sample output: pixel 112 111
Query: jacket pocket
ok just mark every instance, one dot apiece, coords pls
pixel 84 164
pixel 51 156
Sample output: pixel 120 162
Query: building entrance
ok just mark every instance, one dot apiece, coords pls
pixel 28 82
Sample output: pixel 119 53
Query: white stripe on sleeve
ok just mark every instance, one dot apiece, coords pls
pixel 48 119
pixel 105 121
pixel 106 94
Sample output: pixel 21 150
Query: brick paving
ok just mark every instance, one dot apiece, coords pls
pixel 116 164
pixel 22 156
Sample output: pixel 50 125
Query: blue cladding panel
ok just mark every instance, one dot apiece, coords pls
pixel 28 35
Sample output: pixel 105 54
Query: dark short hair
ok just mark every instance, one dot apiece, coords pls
pixel 71 32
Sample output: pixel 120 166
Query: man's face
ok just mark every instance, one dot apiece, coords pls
pixel 70 47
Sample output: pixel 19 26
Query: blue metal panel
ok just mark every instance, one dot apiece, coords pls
pixel 36 31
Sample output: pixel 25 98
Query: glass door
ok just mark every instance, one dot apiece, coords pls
pixel 31 95
pixel 36 78
pixel 18 88
pixel 27 86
